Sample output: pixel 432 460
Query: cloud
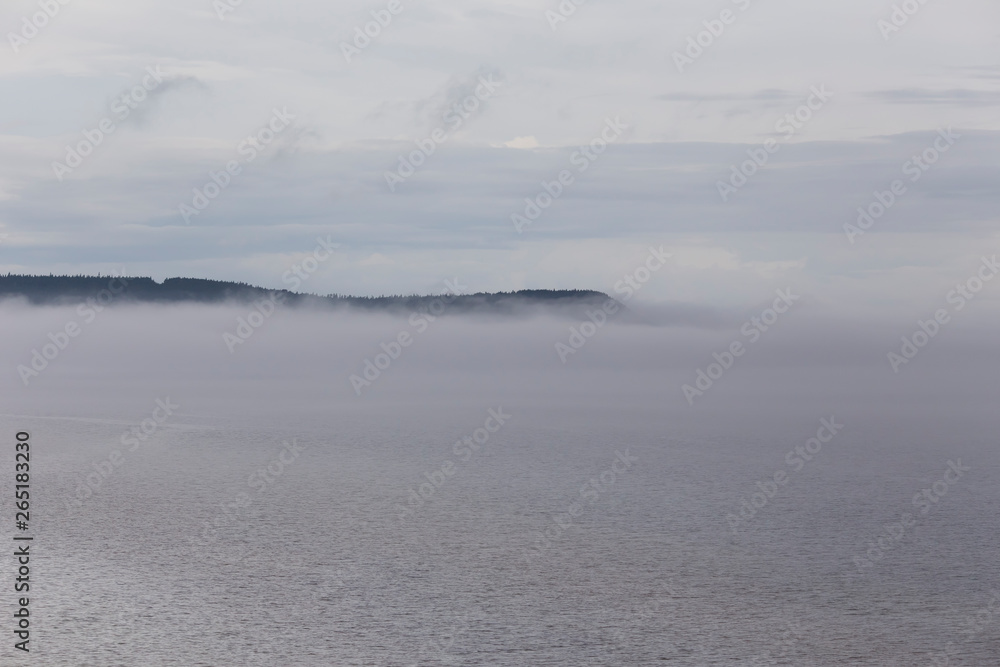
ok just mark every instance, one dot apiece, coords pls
pixel 354 119
pixel 377 259
pixel 430 111
pixel 522 142
pixel 768 95
pixel 138 353
pixel 150 105
pixel 454 215
pixel 957 97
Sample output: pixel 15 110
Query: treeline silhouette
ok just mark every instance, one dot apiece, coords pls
pixel 53 289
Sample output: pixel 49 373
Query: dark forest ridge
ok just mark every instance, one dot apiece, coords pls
pixel 71 289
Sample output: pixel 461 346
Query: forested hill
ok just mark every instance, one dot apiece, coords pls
pixel 74 289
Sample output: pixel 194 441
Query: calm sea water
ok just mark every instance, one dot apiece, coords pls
pixel 166 563
pixel 214 543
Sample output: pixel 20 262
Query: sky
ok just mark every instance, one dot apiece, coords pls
pixel 644 108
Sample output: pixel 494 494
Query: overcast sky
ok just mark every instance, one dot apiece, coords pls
pixel 681 119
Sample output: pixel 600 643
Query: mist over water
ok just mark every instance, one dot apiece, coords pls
pixel 199 506
pixel 502 334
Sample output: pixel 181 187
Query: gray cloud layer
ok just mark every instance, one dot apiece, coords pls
pixel 325 174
